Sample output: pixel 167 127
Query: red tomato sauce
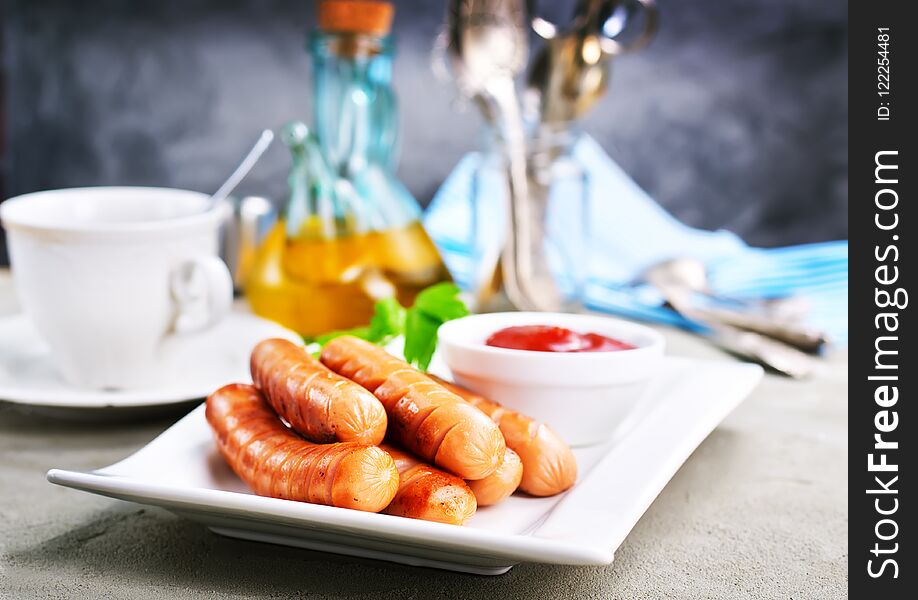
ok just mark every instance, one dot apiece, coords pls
pixel 546 338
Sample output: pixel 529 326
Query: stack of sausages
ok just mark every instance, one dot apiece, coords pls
pixel 313 431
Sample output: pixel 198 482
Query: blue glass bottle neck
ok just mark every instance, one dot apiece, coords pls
pixel 353 104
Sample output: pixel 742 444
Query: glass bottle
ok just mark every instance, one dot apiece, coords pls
pixel 350 233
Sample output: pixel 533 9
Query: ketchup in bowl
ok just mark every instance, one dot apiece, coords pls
pixel 547 338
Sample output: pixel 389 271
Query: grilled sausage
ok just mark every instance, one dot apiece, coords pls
pixel 433 423
pixel 428 493
pixel 549 466
pixel 274 461
pixel 320 405
pixel 501 483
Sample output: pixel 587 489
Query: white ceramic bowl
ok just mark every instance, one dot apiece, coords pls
pixel 583 396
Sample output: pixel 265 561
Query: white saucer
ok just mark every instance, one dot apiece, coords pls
pixel 195 366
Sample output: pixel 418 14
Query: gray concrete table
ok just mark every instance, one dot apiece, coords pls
pixel 758 511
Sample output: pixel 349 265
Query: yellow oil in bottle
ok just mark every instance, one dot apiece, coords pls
pixel 314 284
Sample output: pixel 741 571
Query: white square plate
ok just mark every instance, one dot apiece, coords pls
pixel 182 471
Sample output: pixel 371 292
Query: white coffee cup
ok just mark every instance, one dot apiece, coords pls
pixel 110 276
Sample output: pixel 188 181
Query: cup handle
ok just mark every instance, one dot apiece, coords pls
pixel 202 289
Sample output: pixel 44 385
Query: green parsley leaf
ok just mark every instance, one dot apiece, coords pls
pixel 420 338
pixel 441 301
pixel 388 321
pixel 433 306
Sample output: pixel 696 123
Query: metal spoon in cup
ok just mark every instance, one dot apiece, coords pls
pixel 242 229
pixel 264 140
pixel 487 40
pixel 571 72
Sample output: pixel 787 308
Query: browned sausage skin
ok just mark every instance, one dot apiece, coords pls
pixel 320 405
pixel 274 461
pixel 497 486
pixel 549 466
pixel 424 417
pixel 428 493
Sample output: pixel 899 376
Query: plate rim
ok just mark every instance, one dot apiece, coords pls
pixel 514 546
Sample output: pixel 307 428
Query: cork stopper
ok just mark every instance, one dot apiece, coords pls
pixel 356 16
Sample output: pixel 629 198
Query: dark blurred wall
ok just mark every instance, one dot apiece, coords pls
pixel 735 117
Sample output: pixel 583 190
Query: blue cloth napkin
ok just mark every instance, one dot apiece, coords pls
pixel 631 232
